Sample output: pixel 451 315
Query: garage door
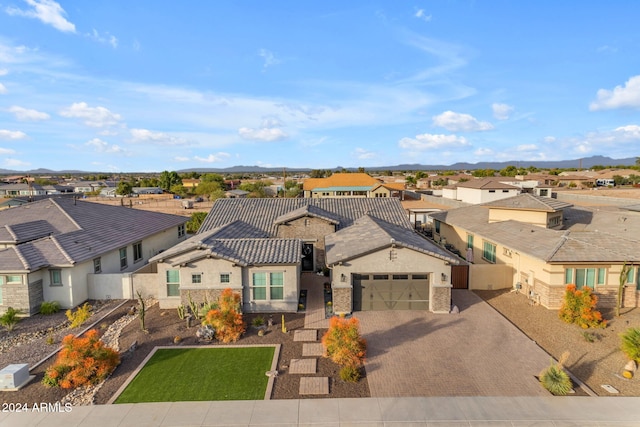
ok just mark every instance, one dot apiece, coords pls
pixel 381 291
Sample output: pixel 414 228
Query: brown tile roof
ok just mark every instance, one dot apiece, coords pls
pixel 529 202
pixel 486 184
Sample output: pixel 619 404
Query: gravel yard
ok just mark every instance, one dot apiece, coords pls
pixel 594 363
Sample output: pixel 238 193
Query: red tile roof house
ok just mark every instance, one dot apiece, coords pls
pixel 69 250
pixel 261 248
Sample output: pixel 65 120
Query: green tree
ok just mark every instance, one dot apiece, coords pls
pixel 361 170
pixel 410 179
pixel 178 189
pixel 256 189
pixel 213 177
pixel 207 188
pixel 169 179
pixel 420 175
pixel 197 218
pixel 124 188
pixel 637 161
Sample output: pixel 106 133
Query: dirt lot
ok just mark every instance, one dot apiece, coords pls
pixel 163 326
pixel 155 203
pixel 594 363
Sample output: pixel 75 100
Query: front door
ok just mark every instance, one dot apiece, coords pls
pixel 307 257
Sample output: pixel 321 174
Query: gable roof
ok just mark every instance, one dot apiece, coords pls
pixel 370 234
pixel 486 184
pixel 529 202
pixel 341 180
pixel 266 214
pixel 64 231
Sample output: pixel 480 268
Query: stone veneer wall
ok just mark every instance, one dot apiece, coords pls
pixel 312 230
pixel 26 299
pixel 441 298
pixel 342 301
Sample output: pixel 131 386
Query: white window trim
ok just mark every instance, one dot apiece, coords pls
pixel 267 286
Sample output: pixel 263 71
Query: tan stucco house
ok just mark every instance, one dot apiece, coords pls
pixel 261 247
pixel 537 245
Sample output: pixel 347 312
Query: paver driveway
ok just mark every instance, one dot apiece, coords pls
pixel 474 353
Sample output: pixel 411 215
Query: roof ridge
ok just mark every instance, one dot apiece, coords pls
pixel 59 246
pixel 65 213
pixel 22 258
pixel 561 242
pixel 11 232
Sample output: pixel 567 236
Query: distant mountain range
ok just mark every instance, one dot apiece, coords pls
pixel 584 163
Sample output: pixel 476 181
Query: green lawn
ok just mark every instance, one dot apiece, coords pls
pixel 190 374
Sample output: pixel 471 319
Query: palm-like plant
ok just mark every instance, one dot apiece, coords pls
pixel 631 343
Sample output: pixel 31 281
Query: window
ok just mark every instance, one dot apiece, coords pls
pixel 225 277
pixel 400 277
pixel 505 191
pixel 492 191
pixel 419 276
pixel 259 286
pixel 181 231
pixel 568 276
pixel 276 282
pixel 554 221
pixel 601 276
pixel 97 265
pixel 56 277
pixel 489 252
pixel 582 277
pixel 196 278
pixel 123 258
pixel 173 283
pixel 380 277
pixel 469 241
pixel 437 224
pixel 137 252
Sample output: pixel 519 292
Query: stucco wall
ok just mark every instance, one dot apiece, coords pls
pixel 310 230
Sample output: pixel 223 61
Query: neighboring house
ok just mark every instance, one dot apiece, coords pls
pixel 51 249
pixel 139 191
pixel 236 194
pixel 350 185
pixel 21 190
pixel 190 183
pixel 538 245
pixel 476 191
pixel 260 247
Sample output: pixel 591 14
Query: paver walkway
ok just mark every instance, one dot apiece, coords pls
pixel 305 335
pixel 314 316
pixel 303 366
pixel 474 353
pixel 312 349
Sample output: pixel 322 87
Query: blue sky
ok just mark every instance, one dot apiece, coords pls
pixel 113 85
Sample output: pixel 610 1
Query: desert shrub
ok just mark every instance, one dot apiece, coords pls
pixel 49 307
pixel 343 344
pixel 226 319
pixel 579 307
pixel 10 318
pixel 631 343
pixel 79 316
pixel 81 361
pixel 350 374
pixel 556 380
pixel 257 321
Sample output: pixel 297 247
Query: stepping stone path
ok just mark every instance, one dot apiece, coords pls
pixel 312 349
pixel 305 335
pixel 303 366
pixel 314 385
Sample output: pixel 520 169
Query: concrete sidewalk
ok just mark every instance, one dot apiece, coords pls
pixel 383 412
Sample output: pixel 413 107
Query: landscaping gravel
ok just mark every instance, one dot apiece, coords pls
pixel 595 363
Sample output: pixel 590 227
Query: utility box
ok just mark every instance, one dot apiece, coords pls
pixel 187 204
pixel 13 376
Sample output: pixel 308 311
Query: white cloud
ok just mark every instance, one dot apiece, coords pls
pixel 457 122
pixel 269 58
pixel 181 159
pixel 161 138
pixel 362 154
pixel 14 163
pixel 4 151
pixel 3 72
pixel 549 139
pixel 501 111
pixel 527 147
pixel 12 134
pixel 3 89
pixel 105 38
pixel 93 116
pixel 628 131
pixel 627 96
pixel 28 114
pixel 483 152
pixel 213 158
pixel 101 146
pixel 421 14
pixel 429 141
pixel 263 134
pixel 47 11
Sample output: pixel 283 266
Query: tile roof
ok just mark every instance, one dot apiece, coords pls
pixel 307 210
pixel 67 231
pixel 528 202
pixel 589 235
pixel 242 251
pixel 344 188
pixel 486 184
pixel 263 214
pixel 341 180
pixel 370 234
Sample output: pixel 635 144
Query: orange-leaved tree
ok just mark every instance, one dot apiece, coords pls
pixel 343 344
pixel 579 307
pixel 83 360
pixel 227 319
